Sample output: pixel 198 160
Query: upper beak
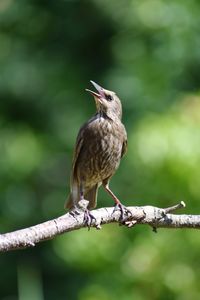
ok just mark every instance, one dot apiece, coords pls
pixel 99 89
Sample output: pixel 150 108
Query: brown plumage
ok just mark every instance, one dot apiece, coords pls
pixel 100 145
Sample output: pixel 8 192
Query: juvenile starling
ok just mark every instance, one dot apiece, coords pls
pixel 100 145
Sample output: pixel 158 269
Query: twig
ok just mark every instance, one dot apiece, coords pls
pixel 153 216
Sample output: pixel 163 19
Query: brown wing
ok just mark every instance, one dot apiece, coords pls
pixel 79 143
pixel 72 199
pixel 125 143
pixel 78 146
pixel 124 148
pixel 74 180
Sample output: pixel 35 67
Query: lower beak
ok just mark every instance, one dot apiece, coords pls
pixel 99 89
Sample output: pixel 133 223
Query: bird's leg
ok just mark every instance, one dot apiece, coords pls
pixel 118 205
pixel 88 217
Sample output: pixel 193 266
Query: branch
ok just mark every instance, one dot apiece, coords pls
pixel 153 216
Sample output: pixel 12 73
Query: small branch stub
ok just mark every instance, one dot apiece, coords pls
pixel 174 207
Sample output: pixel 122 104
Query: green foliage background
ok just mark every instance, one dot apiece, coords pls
pixel 148 52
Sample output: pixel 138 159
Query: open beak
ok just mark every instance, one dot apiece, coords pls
pixel 99 89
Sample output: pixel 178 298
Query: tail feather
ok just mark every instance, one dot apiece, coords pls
pixel 73 197
pixel 91 196
pixel 69 202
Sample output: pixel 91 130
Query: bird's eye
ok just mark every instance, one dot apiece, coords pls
pixel 109 97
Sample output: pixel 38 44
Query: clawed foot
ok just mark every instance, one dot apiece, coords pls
pixel 125 212
pixel 88 218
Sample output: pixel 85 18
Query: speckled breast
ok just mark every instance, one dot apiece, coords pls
pixel 101 152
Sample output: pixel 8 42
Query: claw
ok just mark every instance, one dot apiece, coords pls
pixel 88 218
pixel 125 212
pixel 74 213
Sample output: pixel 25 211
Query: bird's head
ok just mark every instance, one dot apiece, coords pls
pixel 107 102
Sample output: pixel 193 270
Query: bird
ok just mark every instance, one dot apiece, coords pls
pixel 100 145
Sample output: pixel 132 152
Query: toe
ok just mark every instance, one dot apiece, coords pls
pixel 88 218
pixel 125 212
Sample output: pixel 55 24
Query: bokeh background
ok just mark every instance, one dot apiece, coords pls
pixel 148 51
